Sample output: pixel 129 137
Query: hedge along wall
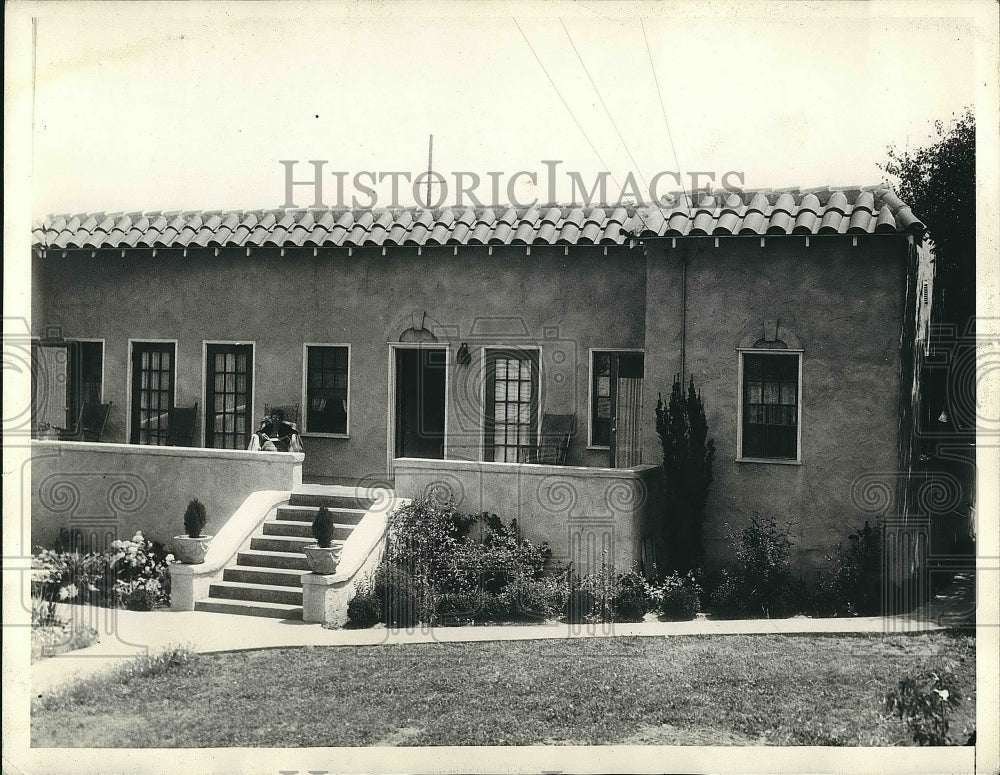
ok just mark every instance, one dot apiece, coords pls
pixel 108 491
pixel 585 514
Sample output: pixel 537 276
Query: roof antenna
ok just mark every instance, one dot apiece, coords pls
pixel 430 168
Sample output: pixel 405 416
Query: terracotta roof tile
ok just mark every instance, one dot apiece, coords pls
pixel 753 223
pixel 817 211
pixel 483 228
pixel 399 229
pixel 442 228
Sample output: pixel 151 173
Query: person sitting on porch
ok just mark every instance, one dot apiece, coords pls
pixel 276 435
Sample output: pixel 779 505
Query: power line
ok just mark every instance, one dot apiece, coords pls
pixel 569 110
pixel 659 93
pixel 597 91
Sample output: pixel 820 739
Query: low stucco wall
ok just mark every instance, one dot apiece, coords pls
pixel 109 491
pixel 580 512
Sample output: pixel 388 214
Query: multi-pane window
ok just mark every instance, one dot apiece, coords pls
pixel 511 406
pixel 600 419
pixel 153 368
pixel 326 388
pixel 770 406
pixel 228 395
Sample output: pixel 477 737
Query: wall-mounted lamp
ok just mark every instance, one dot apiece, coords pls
pixel 464 357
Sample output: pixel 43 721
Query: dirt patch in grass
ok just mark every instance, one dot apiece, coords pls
pixel 692 690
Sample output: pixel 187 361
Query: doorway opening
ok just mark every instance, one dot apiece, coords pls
pixel 420 384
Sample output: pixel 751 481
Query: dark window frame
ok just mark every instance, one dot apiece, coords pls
pixel 770 406
pixel 308 388
pixel 491 358
pixel 212 349
pixel 600 428
pixel 154 434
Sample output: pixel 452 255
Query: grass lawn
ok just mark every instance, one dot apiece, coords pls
pixel 698 690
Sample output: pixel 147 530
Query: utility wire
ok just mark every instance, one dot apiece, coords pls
pixel 659 93
pixel 562 99
pixel 597 91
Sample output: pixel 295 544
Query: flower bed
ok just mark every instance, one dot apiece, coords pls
pixel 443 567
pixel 132 575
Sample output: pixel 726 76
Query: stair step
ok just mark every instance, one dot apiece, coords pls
pixel 331 501
pixel 342 516
pixel 303 529
pixel 250 608
pixel 261 593
pixel 290 544
pixel 276 576
pixel 259 558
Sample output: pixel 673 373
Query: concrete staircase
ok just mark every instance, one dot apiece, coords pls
pixel 266 579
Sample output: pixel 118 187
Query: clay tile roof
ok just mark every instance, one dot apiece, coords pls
pixel 441 229
pixel 398 231
pixel 805 222
pixel 758 203
pixel 872 209
pixel 483 227
pixel 753 223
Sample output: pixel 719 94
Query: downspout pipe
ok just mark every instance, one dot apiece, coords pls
pixel 684 309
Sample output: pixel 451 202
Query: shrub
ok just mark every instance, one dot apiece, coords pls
pixel 397 595
pixel 73 576
pixel 858 576
pixel 679 598
pixel 142 579
pixel 631 600
pixel 457 574
pixel 322 527
pixel 925 703
pixel 616 596
pixel 133 575
pixel 760 581
pixel 688 455
pixel 580 605
pixel 363 609
pixel 423 535
pixel 460 607
pixel 820 597
pixel 535 599
pixel 602 586
pixel 195 518
pixel 498 556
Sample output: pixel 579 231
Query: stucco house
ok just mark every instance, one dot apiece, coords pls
pixel 433 350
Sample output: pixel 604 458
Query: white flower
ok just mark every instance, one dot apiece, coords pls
pixel 68 591
pixel 168 559
pixel 942 693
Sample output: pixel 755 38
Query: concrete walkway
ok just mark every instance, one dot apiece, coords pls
pixel 127 634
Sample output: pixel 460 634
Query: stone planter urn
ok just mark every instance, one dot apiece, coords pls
pixel 191 551
pixel 323 560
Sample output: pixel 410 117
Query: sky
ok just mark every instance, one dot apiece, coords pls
pixel 191 106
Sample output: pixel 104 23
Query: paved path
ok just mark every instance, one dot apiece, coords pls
pixel 126 634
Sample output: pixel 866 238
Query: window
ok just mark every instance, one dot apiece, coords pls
pixel 68 374
pixel 600 401
pixel 615 396
pixel 327 371
pixel 770 407
pixel 153 369
pixel 511 425
pixel 228 395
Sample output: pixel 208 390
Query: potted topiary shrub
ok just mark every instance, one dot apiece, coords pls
pixel 191 548
pixel 323 556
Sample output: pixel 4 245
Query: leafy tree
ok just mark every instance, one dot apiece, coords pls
pixel 939 183
pixel 688 455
